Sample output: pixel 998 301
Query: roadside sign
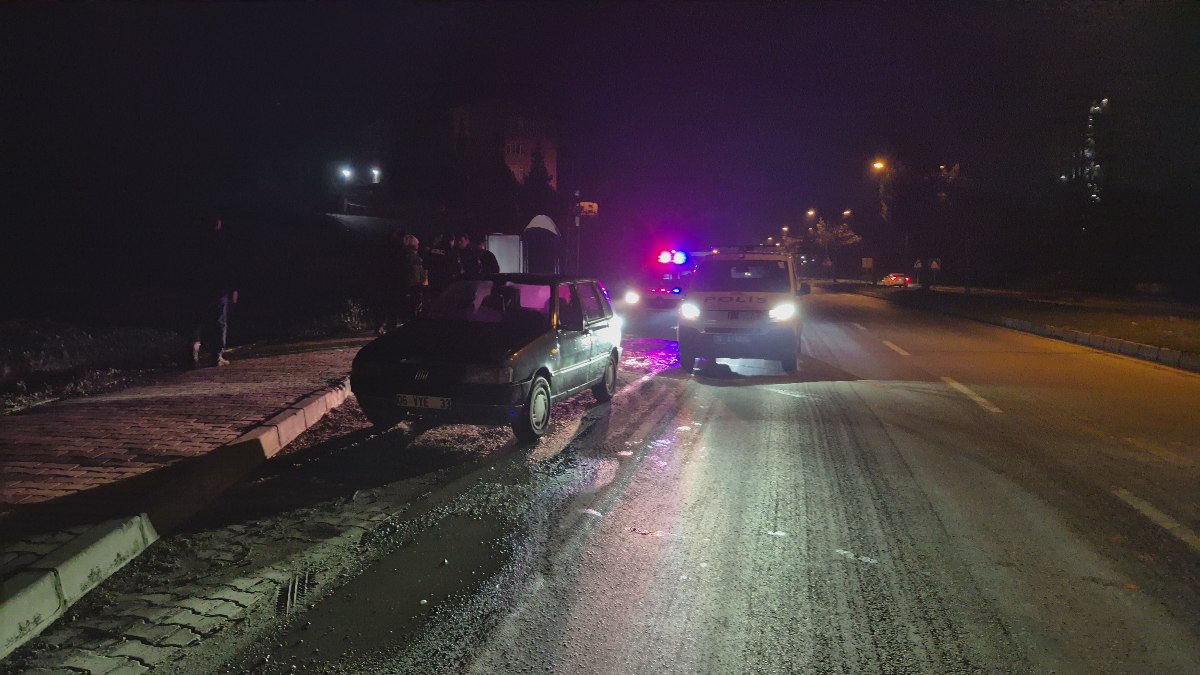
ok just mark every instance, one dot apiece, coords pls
pixel 917 264
pixel 589 209
pixel 868 263
pixel 935 264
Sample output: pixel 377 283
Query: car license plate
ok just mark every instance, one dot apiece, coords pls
pixel 731 339
pixel 431 402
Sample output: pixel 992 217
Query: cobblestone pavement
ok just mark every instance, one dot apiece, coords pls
pixel 67 447
pixel 231 576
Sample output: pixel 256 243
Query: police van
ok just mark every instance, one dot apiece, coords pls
pixel 742 303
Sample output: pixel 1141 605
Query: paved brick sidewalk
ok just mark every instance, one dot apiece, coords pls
pixel 63 448
pixel 86 484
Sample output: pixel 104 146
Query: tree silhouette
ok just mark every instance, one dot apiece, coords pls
pixel 834 236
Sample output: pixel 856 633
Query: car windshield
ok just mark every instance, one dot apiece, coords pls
pixel 746 276
pixel 492 302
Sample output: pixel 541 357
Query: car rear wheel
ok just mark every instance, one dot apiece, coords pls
pixel 534 420
pixel 607 386
pixel 788 363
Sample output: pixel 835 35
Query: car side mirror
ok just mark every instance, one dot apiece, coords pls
pixel 804 289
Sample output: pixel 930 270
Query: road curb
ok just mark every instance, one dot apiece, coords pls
pixel 1171 358
pixel 35 597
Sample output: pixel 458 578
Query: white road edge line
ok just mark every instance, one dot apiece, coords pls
pixel 1159 518
pixel 966 391
pixel 859 326
pixel 896 349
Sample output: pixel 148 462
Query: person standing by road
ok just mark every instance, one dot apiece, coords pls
pixel 441 264
pixel 216 292
pixel 487 260
pixel 468 256
pixel 404 281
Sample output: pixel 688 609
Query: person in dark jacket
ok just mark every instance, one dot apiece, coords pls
pixel 487 260
pixel 216 292
pixel 441 264
pixel 404 281
pixel 468 256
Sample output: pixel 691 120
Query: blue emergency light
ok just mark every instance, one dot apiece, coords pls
pixel 672 256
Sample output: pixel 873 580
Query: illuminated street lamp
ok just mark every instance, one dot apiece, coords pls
pixel 347 173
pixel 375 175
pixel 847 213
pixel 810 213
pixel 879 165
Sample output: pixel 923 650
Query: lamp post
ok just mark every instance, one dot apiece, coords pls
pixel 886 174
pixel 347 175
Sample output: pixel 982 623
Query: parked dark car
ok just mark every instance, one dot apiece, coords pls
pixel 493 349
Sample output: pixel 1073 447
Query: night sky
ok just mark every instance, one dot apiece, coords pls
pixel 735 117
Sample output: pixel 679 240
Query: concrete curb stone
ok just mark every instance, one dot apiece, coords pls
pixel 35 598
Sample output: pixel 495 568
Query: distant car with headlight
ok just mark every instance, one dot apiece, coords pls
pixel 493 349
pixel 896 279
pixel 742 304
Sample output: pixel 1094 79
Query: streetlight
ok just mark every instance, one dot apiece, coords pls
pixel 347 173
pixel 847 213
pixel 879 165
pixel 375 175
pixel 810 213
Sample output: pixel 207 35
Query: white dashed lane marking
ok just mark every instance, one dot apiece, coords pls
pixel 893 347
pixel 859 326
pixel 1176 528
pixel 966 391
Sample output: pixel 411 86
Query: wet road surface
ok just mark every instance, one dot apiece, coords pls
pixel 924 495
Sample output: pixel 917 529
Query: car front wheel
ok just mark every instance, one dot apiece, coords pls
pixel 534 420
pixel 607 386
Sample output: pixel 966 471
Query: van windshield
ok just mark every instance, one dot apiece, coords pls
pixel 746 276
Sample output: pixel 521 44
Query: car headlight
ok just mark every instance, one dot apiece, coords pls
pixel 689 311
pixel 783 312
pixel 480 375
pixel 632 297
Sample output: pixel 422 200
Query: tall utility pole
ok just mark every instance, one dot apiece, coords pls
pixel 582 209
pixel 578 232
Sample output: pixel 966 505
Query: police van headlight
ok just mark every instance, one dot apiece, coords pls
pixel 783 312
pixel 632 297
pixel 689 311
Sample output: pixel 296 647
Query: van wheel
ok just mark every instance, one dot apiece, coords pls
pixel 534 420
pixel 788 364
pixel 687 358
pixel 607 386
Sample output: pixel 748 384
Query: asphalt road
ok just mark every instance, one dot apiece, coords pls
pixel 925 495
